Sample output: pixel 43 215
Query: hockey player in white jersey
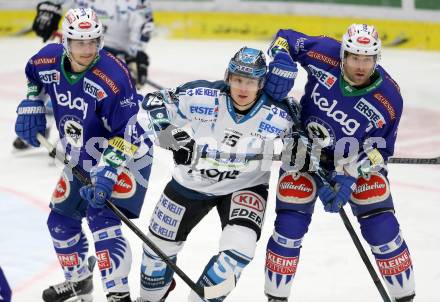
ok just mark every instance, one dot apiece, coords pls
pixel 227 116
pixel 128 25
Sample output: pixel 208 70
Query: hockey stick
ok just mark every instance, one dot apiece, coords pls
pixel 206 292
pixel 414 160
pixel 278 157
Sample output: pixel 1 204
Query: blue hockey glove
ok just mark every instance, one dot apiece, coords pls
pixel 31 120
pixel 281 76
pixel 103 180
pixel 335 199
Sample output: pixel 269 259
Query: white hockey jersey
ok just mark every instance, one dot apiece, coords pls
pixel 205 109
pixel 127 23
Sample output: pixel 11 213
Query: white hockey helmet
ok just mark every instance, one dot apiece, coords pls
pixel 361 39
pixel 82 24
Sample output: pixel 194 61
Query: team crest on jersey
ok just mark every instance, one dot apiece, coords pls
pixel 297 188
pixel 62 190
pixel 370 112
pixel 73 130
pixel 371 188
pixel 320 131
pixel 93 89
pixel 49 76
pixel 324 77
pixel 125 186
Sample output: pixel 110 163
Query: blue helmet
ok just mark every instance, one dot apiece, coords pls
pixel 249 63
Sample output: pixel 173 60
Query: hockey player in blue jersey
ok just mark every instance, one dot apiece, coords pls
pixel 223 116
pixel 351 109
pixel 128 25
pixel 94 104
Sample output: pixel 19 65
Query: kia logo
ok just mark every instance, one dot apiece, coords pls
pixel 249 200
pixel 363 40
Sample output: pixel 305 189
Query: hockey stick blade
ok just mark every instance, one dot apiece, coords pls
pixel 208 292
pixel 414 160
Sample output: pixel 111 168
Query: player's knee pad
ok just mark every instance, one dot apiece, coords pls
pixel 283 249
pixel 112 249
pixel 70 244
pixel 226 264
pixel 240 239
pixel 156 276
pixel 382 232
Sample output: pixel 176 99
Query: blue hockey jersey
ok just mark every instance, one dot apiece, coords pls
pixel 344 119
pixel 90 107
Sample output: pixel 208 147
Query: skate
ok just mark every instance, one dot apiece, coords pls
pixel 118 297
pixel 172 286
pixel 275 299
pixel 72 291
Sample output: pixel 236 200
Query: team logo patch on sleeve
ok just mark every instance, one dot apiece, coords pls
pixel 248 205
pixel 125 186
pixel 62 190
pixel 298 188
pixel 371 188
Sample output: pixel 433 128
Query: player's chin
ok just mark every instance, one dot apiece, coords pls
pixel 86 61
